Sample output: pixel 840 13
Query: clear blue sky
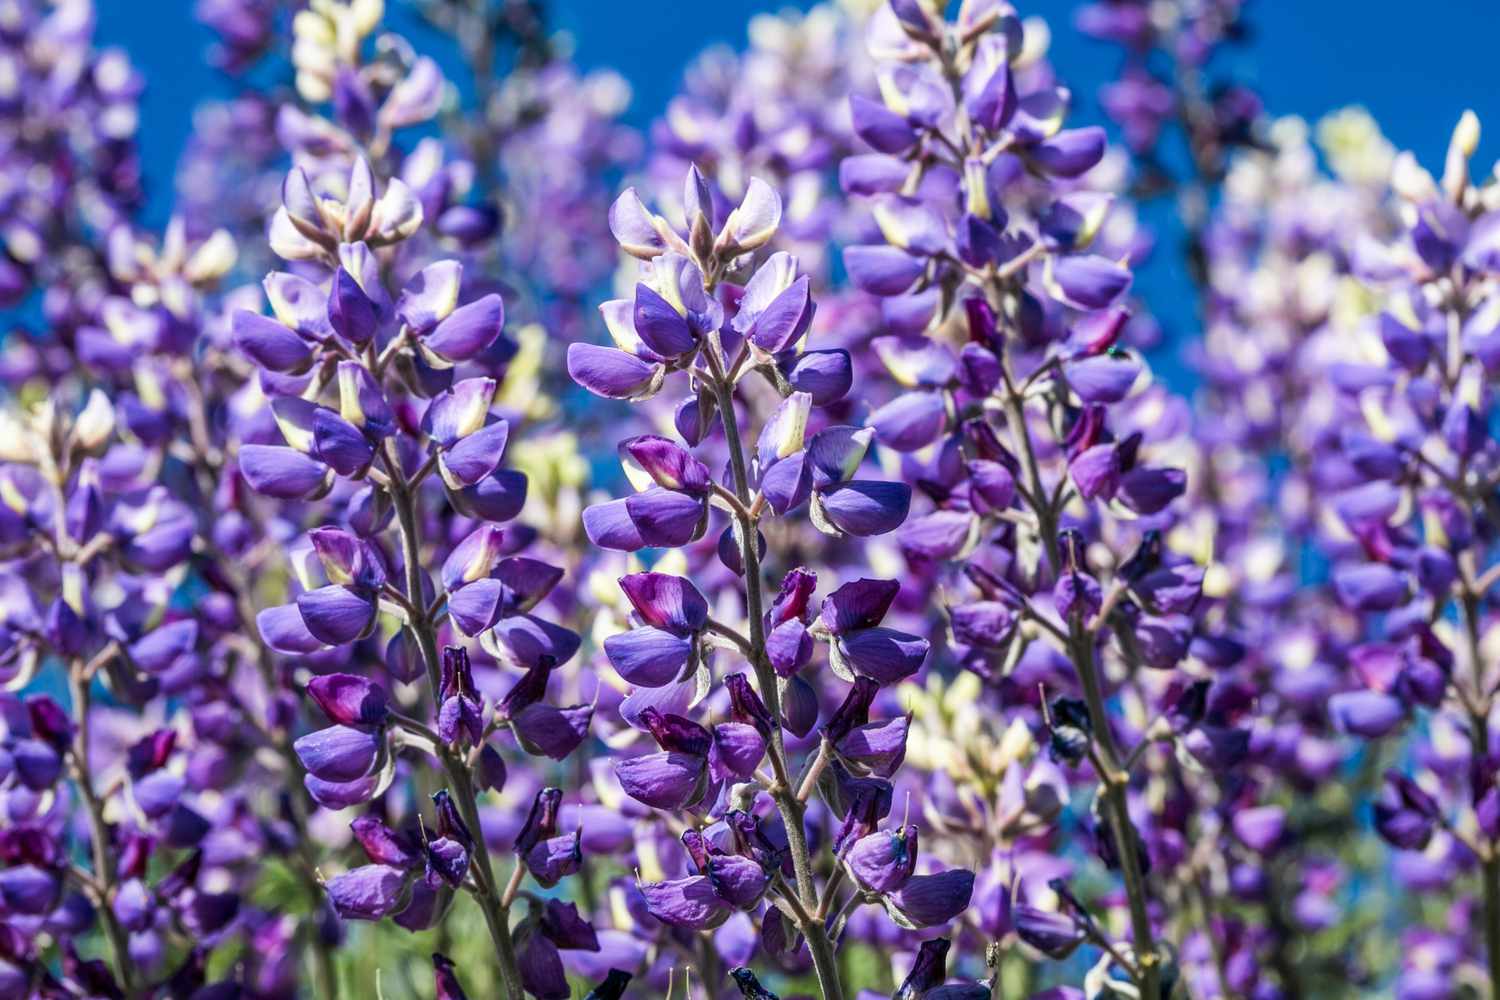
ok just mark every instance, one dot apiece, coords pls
pixel 1416 67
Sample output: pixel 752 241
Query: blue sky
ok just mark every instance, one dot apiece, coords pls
pixel 1415 67
pixel 1414 71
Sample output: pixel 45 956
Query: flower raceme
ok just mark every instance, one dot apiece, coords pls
pixel 923 644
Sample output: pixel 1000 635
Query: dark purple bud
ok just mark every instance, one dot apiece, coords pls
pixel 381 844
pixel 540 964
pixel 49 722
pixel 1218 748
pixel 1161 642
pixel 1148 491
pixel 929 970
pixel 491 770
pixel 854 711
pixel 449 823
pixel 566 928
pixel 456 675
pixel 555 858
pixel 541 822
pixel 352 314
pixel 349 700
pixel 676 733
pixel 746 705
pixel 1405 815
pixel 799 706
pixel 150 753
pixel 794 597
pixel 445 977
pixel 447 862
pixel 612 988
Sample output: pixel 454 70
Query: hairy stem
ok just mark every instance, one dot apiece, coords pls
pixel 825 963
pixel 496 913
pixel 106 871
pixel 1113 783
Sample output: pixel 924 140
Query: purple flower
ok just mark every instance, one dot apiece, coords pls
pixel 859 645
pixel 666 647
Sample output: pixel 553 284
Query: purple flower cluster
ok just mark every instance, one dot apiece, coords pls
pixel 840 609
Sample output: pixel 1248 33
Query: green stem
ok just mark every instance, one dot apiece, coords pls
pixel 825 963
pixel 496 913
pixel 1479 736
pixel 105 869
pixel 1116 810
pixel 1015 419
